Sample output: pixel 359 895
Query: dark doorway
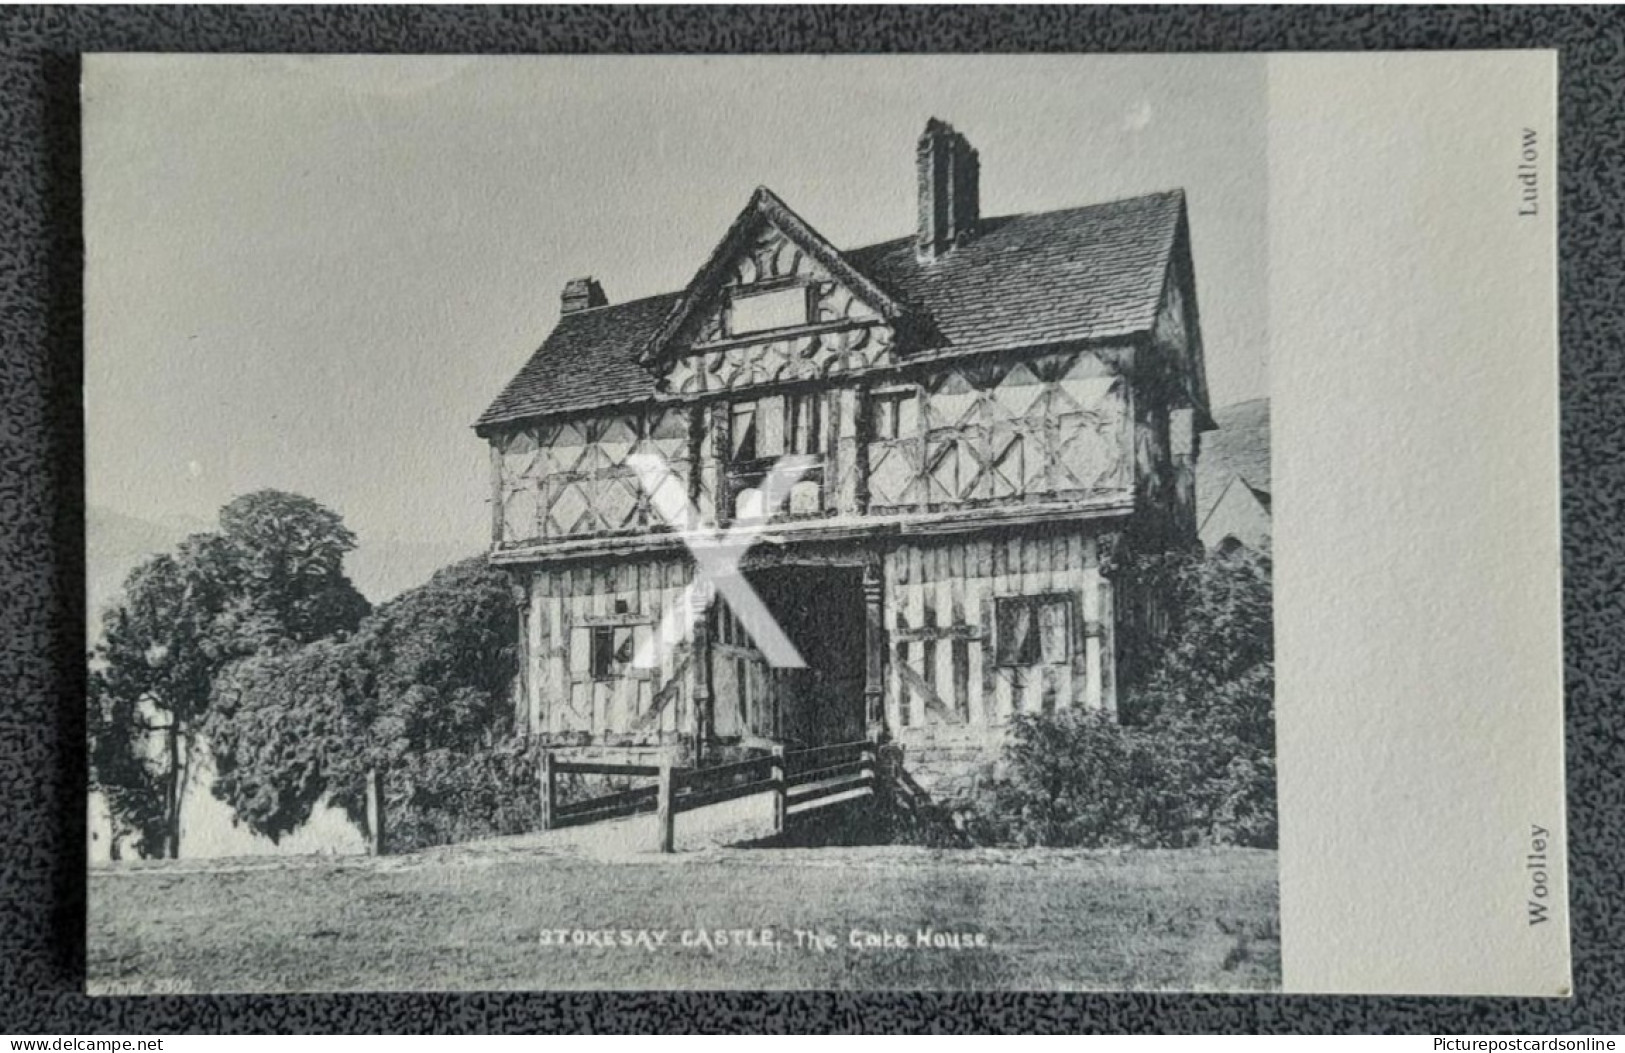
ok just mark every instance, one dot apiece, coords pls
pixel 821 610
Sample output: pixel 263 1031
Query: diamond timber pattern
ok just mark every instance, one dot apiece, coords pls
pixel 574 477
pixel 1057 427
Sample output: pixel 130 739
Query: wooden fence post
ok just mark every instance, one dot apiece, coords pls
pixel 375 811
pixel 548 788
pixel 665 812
pixel 780 789
pixel 881 783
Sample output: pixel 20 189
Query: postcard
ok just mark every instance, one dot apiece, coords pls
pixel 1029 523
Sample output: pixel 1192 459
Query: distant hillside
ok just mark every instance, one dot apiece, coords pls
pixel 1241 447
pixel 116 544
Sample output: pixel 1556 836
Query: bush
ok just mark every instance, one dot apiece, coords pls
pixel 1192 761
pixel 444 796
pixel 1081 779
pixel 420 690
pixel 285 729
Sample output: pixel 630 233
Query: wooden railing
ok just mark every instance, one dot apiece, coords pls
pixel 557 814
pixel 825 771
pixel 795 778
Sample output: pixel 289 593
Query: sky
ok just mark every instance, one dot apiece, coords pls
pixel 313 274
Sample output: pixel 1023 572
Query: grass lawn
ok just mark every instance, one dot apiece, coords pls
pixel 1200 919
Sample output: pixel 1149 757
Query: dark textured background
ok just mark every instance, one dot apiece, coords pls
pixel 41 540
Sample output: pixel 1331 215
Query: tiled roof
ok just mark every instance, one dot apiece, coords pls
pixel 589 359
pixel 1078 274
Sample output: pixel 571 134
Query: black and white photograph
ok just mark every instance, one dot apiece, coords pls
pixel 684 523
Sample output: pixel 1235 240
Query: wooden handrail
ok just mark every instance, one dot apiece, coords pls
pixel 608 800
pixel 642 771
pixel 833 771
pixel 693 776
pixel 816 793
pixel 856 745
pixel 855 767
pixel 797 763
pixel 598 815
pixel 705 798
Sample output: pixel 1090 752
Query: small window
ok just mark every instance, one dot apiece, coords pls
pixel 761 427
pixel 611 650
pixel 758 312
pixel 894 415
pixel 1033 630
pixel 744 432
pixel 802 423
pixel 806 498
pixel 748 503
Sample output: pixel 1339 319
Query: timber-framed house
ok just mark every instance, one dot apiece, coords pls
pixel 981 413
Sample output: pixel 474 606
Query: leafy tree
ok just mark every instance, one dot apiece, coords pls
pixel 1209 703
pixel 445 658
pixel 444 796
pixel 1217 664
pixel 281 726
pixel 282 561
pixel 120 770
pixel 427 673
pixel 155 663
pixel 272 579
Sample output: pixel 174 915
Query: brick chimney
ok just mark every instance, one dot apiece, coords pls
pixel 580 294
pixel 948 173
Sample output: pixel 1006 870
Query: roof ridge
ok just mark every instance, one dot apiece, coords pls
pixel 1242 402
pixel 638 301
pixel 901 240
pixel 1173 192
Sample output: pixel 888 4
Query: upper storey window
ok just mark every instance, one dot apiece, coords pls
pixel 762 430
pixel 802 427
pixel 895 415
pixel 743 448
pixel 751 311
pixel 774 425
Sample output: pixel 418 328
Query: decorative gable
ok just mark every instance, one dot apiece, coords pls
pixel 773 284
pixel 775 302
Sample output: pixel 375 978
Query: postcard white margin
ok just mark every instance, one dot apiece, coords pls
pixel 1413 318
